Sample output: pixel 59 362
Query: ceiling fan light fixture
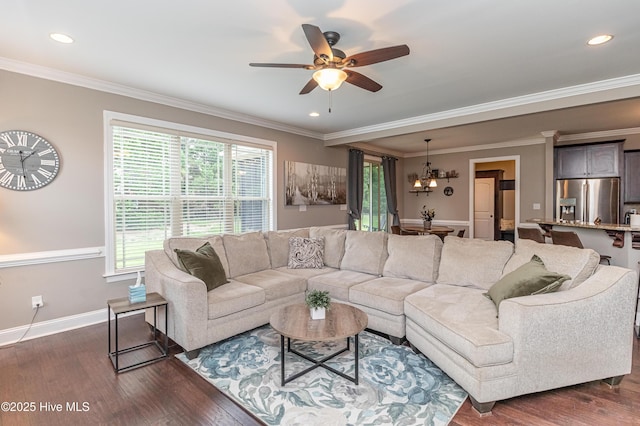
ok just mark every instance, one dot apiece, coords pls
pixel 329 78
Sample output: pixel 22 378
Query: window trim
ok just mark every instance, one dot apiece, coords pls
pixel 110 118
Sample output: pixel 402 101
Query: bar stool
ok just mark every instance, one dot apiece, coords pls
pixel 534 234
pixel 571 239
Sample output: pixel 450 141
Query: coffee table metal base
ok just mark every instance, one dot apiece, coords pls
pixel 317 363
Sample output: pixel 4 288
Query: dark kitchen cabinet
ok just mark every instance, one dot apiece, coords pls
pixel 593 161
pixel 632 176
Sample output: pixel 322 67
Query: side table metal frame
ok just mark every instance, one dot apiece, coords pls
pixel 164 349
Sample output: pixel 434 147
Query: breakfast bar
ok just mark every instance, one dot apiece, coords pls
pixel 621 242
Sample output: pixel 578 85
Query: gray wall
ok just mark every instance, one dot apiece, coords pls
pixel 456 206
pixel 69 212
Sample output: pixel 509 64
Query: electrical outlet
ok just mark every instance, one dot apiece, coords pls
pixel 37 302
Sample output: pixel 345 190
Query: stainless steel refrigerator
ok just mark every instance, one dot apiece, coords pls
pixel 584 200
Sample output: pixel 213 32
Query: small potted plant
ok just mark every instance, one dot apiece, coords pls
pixel 318 302
pixel 427 216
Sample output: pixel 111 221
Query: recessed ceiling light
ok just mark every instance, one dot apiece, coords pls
pixel 314 114
pixel 603 38
pixel 61 38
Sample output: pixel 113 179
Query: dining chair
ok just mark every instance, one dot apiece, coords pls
pixel 395 229
pixel 571 239
pixel 461 233
pixel 531 234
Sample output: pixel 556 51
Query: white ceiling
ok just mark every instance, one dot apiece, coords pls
pixel 471 61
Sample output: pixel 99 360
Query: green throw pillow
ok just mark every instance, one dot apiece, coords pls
pixel 205 264
pixel 530 278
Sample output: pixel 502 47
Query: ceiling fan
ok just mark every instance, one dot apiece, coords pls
pixel 331 64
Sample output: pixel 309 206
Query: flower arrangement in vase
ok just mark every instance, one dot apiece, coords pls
pixel 318 302
pixel 427 216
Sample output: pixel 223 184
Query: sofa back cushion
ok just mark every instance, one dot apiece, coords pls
pixel 365 252
pixel 192 244
pixel 579 264
pixel 246 253
pixel 204 264
pixel 470 262
pixel 181 243
pixel 413 257
pixel 278 244
pixel 333 244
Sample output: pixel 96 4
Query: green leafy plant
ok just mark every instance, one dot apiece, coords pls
pixel 317 299
pixel 427 214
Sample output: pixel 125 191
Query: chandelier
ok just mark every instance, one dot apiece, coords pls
pixel 426 179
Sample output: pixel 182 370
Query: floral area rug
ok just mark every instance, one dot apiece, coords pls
pixel 396 386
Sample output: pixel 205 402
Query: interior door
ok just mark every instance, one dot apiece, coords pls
pixel 483 223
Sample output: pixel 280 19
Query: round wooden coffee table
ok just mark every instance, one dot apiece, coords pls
pixel 341 322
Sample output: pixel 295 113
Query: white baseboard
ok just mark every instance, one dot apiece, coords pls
pixel 58 325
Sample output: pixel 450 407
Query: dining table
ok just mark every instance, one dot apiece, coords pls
pixel 440 231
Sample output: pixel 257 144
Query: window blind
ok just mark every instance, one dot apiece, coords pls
pixel 168 184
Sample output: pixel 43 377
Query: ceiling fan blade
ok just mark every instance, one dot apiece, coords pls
pixel 362 81
pixel 268 65
pixel 318 42
pixel 311 84
pixel 377 55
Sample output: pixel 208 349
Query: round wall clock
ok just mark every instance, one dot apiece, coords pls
pixel 448 191
pixel 27 161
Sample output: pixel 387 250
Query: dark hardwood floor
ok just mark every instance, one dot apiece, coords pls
pixel 73 367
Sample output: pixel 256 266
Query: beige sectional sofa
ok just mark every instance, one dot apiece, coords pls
pixel 429 292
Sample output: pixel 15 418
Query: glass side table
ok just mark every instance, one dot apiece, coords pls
pixel 121 306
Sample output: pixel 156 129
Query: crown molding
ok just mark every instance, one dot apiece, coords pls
pixel 603 134
pixel 143 95
pixel 499 109
pixel 497 145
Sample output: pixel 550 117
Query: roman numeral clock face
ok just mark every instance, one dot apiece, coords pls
pixel 27 161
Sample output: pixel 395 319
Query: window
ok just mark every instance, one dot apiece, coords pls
pixel 374 201
pixel 166 180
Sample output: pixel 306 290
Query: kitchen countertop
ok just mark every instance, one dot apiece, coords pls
pixel 605 226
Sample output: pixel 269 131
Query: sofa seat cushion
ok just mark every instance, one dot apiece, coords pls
pixel 333 244
pixel 416 257
pixel 233 297
pixel 470 262
pixel 464 320
pixel 365 252
pixel 246 253
pixel 306 273
pixel 278 243
pixel 579 264
pixel 385 294
pixel 276 284
pixel 338 283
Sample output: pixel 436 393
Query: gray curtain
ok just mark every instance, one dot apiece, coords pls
pixel 355 185
pixel 389 168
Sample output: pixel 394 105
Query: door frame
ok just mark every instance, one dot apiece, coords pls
pixel 472 177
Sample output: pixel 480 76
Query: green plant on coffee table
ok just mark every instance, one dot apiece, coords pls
pixel 317 299
pixel 427 214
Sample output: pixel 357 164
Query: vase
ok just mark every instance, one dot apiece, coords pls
pixel 426 224
pixel 317 313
